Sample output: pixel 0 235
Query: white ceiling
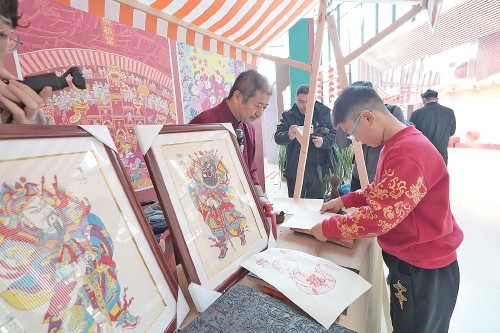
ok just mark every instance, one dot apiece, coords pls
pixel 459 25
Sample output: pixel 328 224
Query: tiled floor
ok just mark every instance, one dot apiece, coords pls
pixel 475 201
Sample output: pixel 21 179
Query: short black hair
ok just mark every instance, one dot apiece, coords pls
pixel 302 89
pixel 248 83
pixel 8 9
pixel 362 84
pixel 352 100
pixel 429 93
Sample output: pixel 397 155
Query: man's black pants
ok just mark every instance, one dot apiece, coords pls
pixel 312 185
pixel 422 300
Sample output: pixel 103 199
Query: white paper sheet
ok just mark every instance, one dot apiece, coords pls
pixel 304 219
pixel 100 132
pixel 182 307
pixel 202 297
pixel 318 286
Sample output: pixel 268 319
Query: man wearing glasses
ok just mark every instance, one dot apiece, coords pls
pixel 248 98
pixel 19 104
pixel 407 207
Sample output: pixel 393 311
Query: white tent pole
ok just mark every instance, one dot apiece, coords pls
pixel 304 139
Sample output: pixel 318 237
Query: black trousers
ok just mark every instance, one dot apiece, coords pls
pixel 422 300
pixel 312 186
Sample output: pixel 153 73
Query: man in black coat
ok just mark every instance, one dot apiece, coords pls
pixel 319 156
pixel 435 121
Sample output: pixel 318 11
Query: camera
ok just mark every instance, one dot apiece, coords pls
pixel 38 82
pixel 320 131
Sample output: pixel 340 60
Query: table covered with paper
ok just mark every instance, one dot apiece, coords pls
pixel 365 312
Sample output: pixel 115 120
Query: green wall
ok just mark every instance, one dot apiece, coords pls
pixel 298 41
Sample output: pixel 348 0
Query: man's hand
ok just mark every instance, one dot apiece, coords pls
pixel 332 206
pixel 292 132
pixel 317 231
pixel 19 104
pixel 318 141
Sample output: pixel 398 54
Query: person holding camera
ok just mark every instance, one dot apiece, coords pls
pixel 19 104
pixel 319 155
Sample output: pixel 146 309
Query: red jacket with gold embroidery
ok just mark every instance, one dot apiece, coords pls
pixel 407 206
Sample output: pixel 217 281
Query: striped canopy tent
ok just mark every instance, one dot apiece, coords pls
pixel 239 29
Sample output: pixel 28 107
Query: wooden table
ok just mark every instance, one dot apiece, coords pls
pixel 364 315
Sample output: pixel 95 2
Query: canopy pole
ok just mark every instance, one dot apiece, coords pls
pixel 311 98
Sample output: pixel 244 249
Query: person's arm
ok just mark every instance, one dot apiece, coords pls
pixel 453 123
pixel 281 136
pixel 329 139
pixel 19 104
pixel 391 209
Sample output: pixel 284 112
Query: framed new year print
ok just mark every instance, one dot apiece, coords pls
pixel 76 253
pixel 208 196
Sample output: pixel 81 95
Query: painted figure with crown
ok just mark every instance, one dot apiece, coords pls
pixel 211 194
pixel 57 256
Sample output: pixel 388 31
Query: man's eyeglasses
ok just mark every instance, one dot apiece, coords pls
pixel 9 40
pixel 350 134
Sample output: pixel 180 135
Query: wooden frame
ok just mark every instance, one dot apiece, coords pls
pixel 210 251
pixel 76 251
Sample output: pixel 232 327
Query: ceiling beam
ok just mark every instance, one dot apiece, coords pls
pixel 384 33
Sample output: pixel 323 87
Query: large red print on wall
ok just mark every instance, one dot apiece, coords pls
pixel 128 73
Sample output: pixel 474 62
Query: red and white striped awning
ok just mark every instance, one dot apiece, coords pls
pixel 238 29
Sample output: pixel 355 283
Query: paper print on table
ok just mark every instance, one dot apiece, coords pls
pixel 320 287
pixel 206 78
pixel 71 257
pixel 210 195
pixel 128 73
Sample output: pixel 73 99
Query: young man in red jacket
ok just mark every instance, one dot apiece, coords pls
pixel 407 207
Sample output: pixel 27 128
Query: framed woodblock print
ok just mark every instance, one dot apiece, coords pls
pixel 76 253
pixel 209 199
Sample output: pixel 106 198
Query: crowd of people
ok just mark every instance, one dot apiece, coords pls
pixel 406 204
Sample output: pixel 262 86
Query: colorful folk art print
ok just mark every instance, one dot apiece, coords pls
pixel 206 79
pixel 211 193
pixel 219 211
pixel 320 287
pixel 69 262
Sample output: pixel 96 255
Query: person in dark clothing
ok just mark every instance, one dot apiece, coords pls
pixel 435 121
pixel 370 154
pixel 319 156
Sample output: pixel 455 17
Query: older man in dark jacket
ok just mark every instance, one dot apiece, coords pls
pixel 319 155
pixel 435 121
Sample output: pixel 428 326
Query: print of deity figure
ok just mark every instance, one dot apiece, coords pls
pixel 211 194
pixel 57 255
pixel 317 282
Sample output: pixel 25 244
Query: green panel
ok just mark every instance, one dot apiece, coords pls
pixel 298 41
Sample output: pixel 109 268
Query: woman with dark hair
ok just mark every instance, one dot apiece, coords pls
pixel 19 104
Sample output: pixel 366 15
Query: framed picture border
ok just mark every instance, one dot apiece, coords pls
pixel 18 132
pixel 163 194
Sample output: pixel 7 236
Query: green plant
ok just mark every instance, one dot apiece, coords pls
pixel 281 160
pixel 344 158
